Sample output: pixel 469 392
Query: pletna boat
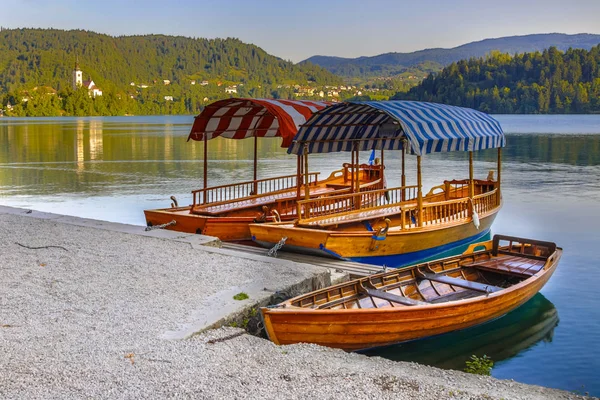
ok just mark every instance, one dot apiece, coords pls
pixel 490 279
pixel 225 211
pixel 395 226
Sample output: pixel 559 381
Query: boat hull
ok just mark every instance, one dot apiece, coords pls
pixel 230 219
pixel 227 229
pixel 399 248
pixel 355 329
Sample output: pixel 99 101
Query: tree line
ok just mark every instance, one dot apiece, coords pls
pixel 545 82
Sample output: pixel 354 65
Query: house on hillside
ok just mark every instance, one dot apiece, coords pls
pixel 231 89
pixel 92 88
pixel 305 91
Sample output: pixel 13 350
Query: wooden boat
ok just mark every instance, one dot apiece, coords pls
pixel 487 281
pixel 396 226
pixel 226 210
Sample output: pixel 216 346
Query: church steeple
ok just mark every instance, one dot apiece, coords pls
pixel 77 75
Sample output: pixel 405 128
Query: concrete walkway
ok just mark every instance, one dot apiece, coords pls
pixel 91 309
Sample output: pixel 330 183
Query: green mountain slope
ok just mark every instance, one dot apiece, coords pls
pixel 390 63
pixel 548 82
pixel 33 57
pixel 150 74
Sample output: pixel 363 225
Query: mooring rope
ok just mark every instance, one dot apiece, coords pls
pixel 163 226
pixel 277 247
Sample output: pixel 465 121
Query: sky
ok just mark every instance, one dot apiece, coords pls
pixel 296 30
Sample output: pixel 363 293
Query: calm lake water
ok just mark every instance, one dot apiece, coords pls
pixel 114 168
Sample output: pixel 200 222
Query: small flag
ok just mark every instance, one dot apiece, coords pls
pixel 372 157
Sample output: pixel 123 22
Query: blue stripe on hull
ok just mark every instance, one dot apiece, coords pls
pixel 446 250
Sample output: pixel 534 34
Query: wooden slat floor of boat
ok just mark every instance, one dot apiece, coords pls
pixel 391 297
pixel 255 201
pixel 463 283
pixel 353 268
pixel 510 264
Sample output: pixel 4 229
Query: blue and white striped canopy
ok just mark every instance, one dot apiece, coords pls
pixel 388 125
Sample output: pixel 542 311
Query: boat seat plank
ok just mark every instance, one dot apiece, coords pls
pixel 355 216
pixel 380 294
pixel 463 283
pixel 512 265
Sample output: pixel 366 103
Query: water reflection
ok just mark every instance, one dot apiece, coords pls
pixel 501 339
pixel 580 150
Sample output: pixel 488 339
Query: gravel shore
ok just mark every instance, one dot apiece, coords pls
pixel 97 312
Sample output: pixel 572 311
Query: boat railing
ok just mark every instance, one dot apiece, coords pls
pixel 290 205
pixel 362 171
pixel 242 190
pixel 486 202
pixel 447 211
pixel 319 207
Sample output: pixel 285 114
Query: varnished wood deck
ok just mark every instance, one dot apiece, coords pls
pixel 512 265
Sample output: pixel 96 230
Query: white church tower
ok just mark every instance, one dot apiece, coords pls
pixel 77 76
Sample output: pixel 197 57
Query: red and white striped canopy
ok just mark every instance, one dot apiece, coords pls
pixel 244 118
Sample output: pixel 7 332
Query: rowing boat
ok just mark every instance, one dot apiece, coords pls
pixel 225 211
pixel 401 225
pixel 489 280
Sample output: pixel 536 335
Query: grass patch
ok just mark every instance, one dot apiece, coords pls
pixel 479 365
pixel 240 296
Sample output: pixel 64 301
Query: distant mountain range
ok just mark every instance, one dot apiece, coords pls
pixel 394 63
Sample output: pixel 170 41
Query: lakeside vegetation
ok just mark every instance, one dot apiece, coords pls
pixel 541 82
pixel 156 74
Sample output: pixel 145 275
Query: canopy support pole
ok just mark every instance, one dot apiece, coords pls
pixel 306 188
pixel 498 193
pixel 298 176
pixel 205 168
pixel 471 182
pixel 381 166
pixel 357 172
pixel 255 188
pixel 419 193
pixel 358 177
pixel 352 170
pixel 403 177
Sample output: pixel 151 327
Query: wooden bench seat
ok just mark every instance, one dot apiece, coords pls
pixel 354 216
pixel 338 186
pixel 463 283
pixel 510 264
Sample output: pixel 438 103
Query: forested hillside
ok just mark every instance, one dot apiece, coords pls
pixel 133 72
pixel 551 81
